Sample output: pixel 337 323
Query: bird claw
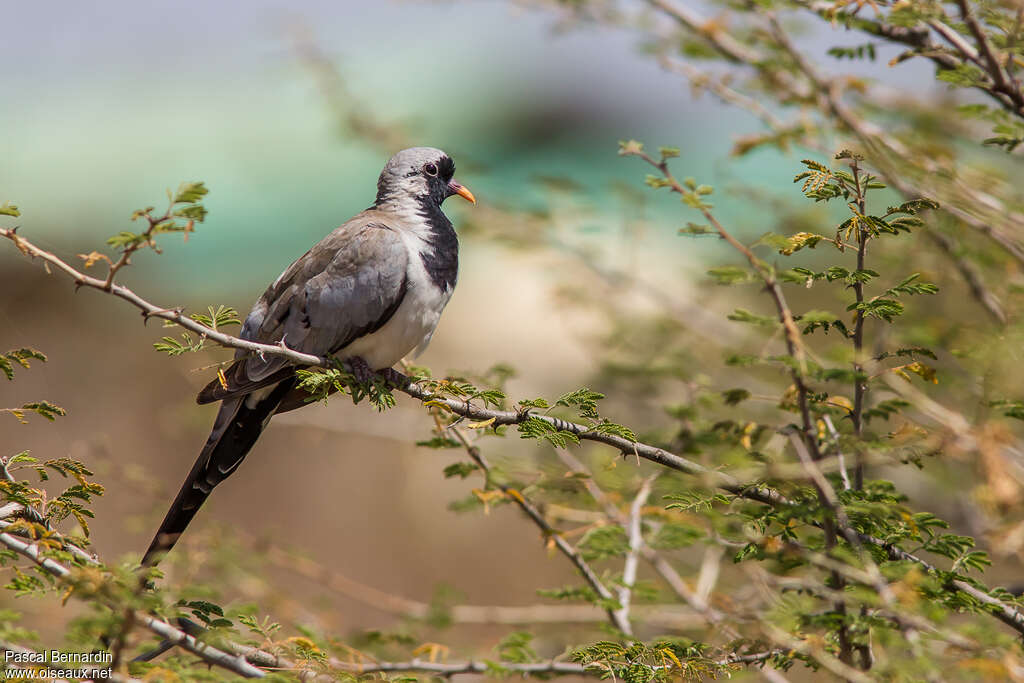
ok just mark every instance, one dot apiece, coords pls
pixel 360 369
pixel 394 378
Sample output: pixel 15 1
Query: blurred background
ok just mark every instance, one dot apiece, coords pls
pixel 288 111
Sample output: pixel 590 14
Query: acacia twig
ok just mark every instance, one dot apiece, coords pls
pixel 634 532
pixel 549 532
pixel 994 68
pixel 872 136
pixel 675 582
pixel 159 627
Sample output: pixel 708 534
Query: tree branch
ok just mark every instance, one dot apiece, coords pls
pixel 716 479
pixel 161 628
pixel 150 310
pixel 634 531
pixel 550 533
pixel 995 69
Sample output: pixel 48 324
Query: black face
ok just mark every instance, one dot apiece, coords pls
pixel 438 175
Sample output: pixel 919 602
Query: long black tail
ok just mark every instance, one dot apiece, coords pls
pixel 235 431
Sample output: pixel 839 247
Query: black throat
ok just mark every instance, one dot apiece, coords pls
pixel 441 258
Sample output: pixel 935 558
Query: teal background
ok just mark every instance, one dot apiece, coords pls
pixel 106 106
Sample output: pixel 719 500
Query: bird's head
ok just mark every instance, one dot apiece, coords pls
pixel 420 174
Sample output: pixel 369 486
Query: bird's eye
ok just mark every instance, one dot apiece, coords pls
pixel 430 169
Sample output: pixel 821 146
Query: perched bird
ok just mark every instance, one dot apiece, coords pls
pixel 369 293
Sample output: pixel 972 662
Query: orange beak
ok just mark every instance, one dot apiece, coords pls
pixel 462 191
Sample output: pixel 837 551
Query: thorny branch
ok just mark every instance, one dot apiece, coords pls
pixel 617 618
pixel 244 660
pixel 660 565
pixel 882 144
pixel 634 531
pixel 794 346
pixel 1005 613
pixel 159 627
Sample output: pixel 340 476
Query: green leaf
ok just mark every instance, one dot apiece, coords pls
pixel 584 399
pixel 734 397
pixel 604 542
pixel 20 357
pixel 438 442
pixel 535 403
pixel 697 229
pixel 693 501
pixel 535 428
pixel 673 535
pixel 190 192
pixel 609 427
pixel 731 275
pixel 744 316
pixel 46 409
pixel 125 239
pixel 222 316
pixel 515 648
pixel 460 469
pixel 884 309
pixel 910 286
pixel 856 52
pixel 195 212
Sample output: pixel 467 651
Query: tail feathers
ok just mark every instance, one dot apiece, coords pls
pixel 236 429
pixel 236 382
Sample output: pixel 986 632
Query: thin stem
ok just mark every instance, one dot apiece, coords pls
pixel 636 541
pixel 860 385
pixel 994 68
pixel 617 619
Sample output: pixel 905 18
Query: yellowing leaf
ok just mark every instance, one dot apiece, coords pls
pixel 432 650
pixel 304 643
pixel 926 372
pixel 486 497
pixel 512 493
pixel 788 399
pixel 665 652
pixel 840 402
pixel 92 257
pixel 799 241
pixel 748 430
pixel 480 425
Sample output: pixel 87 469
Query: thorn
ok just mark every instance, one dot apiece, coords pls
pixel 146 315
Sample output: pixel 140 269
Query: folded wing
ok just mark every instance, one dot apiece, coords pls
pixel 347 286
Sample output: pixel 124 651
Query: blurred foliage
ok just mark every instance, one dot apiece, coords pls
pixel 847 435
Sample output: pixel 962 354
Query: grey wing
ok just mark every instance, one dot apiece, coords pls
pixel 348 285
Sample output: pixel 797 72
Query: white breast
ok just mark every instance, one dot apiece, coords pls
pixel 412 325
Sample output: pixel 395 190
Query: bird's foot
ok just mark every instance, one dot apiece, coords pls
pixel 361 370
pixel 394 378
